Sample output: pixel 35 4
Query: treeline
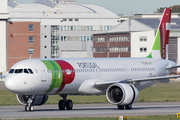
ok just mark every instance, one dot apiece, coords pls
pixel 175 9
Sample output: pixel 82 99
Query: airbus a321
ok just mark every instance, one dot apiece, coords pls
pixel 119 79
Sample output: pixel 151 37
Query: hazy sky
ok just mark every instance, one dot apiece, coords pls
pixel 126 6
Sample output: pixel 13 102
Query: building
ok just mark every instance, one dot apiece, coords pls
pixel 111 45
pixel 3 28
pixel 23 41
pixel 128 39
pixel 54 29
pixel 141 30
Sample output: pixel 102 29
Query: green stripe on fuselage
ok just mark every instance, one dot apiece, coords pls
pixel 57 75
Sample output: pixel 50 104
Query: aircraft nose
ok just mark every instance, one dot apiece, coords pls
pixel 10 84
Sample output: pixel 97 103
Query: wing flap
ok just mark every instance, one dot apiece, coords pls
pixel 153 78
pixel 105 84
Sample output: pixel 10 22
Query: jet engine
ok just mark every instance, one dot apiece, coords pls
pixel 36 101
pixel 122 94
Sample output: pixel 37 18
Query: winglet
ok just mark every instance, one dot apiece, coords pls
pixel 162 37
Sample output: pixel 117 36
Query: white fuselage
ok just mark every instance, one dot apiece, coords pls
pixel 52 76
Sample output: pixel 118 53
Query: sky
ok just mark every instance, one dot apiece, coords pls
pixel 125 7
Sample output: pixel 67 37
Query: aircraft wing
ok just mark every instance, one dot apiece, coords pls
pixel 2 76
pixel 105 84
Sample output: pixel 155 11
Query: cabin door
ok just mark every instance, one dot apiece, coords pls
pixel 43 72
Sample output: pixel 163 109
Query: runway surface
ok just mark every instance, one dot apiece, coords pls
pixel 90 110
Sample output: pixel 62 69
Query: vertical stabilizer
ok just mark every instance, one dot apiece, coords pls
pixel 162 37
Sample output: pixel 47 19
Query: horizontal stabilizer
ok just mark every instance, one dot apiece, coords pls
pixel 175 66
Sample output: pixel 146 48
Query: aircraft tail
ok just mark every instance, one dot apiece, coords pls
pixel 162 37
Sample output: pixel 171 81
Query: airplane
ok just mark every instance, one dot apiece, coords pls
pixel 120 79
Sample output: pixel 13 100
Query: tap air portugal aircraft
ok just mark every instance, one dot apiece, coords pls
pixel 119 79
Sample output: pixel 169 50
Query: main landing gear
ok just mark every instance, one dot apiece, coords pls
pixel 65 104
pixel 29 106
pixel 121 107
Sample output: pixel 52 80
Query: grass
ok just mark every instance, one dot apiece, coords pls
pixel 160 92
pixel 157 93
pixel 154 117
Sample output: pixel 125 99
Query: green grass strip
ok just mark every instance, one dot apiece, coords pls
pixel 160 92
pixel 153 117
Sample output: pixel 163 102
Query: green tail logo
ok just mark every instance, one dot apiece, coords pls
pixel 162 37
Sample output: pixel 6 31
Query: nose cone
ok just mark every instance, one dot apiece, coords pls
pixel 10 84
pixel 18 84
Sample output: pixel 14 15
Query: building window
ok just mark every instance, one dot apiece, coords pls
pixel 31 51
pixel 61 38
pixel 143 49
pixel 87 38
pixel 82 39
pixel 71 28
pixel 54 41
pixel 45 36
pixel 31 27
pixel 31 39
pixel 61 28
pixel 45 26
pixel 45 46
pixel 64 19
pixel 74 28
pixel 143 38
pixel 70 19
pixel 76 19
pixel 91 48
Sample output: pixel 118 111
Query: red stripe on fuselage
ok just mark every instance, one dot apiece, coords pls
pixel 68 73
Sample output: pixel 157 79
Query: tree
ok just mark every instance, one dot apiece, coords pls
pixel 175 9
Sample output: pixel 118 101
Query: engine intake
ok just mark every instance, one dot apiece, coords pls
pixel 37 101
pixel 122 94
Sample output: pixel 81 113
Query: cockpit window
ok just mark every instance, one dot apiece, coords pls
pixel 26 71
pixel 30 71
pixel 11 71
pixel 18 71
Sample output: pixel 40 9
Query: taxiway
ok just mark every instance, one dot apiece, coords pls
pixel 90 110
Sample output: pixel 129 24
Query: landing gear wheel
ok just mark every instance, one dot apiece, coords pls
pixel 120 107
pixel 29 108
pixel 26 108
pixel 69 104
pixel 61 105
pixel 128 107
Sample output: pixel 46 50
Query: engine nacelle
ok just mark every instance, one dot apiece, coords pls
pixel 37 101
pixel 122 94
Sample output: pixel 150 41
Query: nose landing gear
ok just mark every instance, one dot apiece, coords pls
pixel 65 104
pixel 29 106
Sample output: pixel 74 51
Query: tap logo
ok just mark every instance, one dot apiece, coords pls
pixel 87 65
pixel 146 63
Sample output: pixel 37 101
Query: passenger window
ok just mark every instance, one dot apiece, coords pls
pixel 26 71
pixel 30 71
pixel 18 71
pixel 11 71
